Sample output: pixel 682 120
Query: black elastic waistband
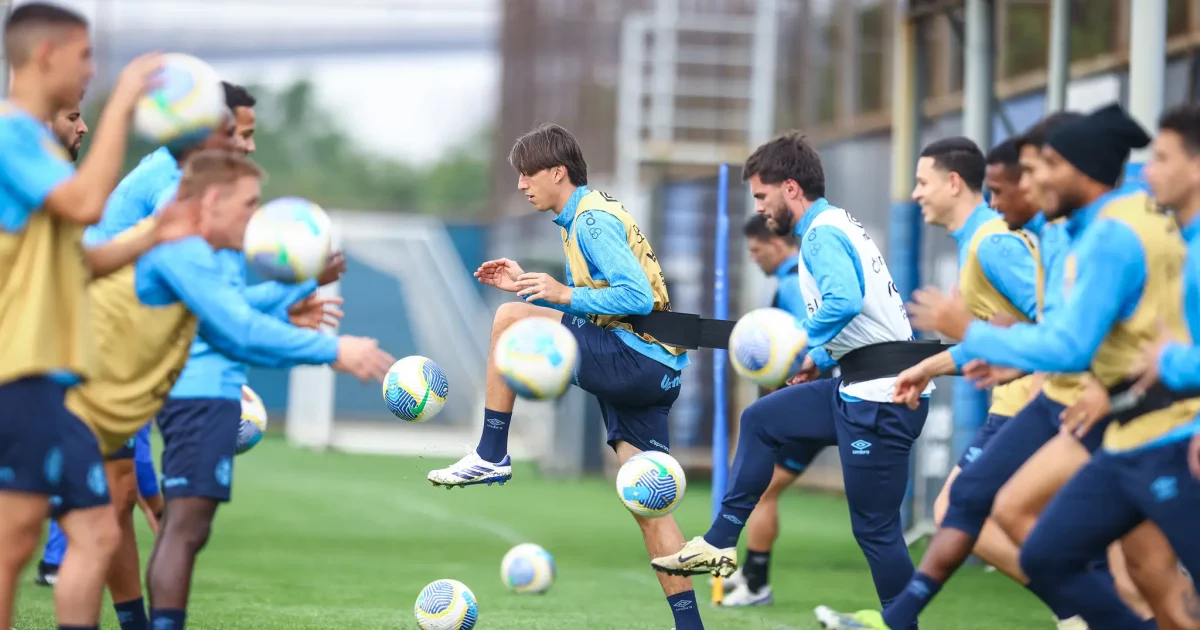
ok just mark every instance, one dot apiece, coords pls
pixel 882 360
pixel 683 330
pixel 1125 403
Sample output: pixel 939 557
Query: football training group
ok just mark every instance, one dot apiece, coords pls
pixel 125 303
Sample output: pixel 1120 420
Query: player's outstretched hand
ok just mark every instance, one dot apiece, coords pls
pixel 315 310
pixel 333 270
pixel 543 286
pixel 363 358
pixel 931 310
pixel 1093 404
pixel 808 372
pixel 910 384
pixel 986 375
pixel 137 77
pixel 501 273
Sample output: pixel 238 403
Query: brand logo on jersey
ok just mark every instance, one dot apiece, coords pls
pixel 861 447
pixel 1165 488
pixel 669 383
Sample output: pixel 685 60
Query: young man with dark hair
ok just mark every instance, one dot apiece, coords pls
pixel 1119 272
pixel 242 103
pixel 777 256
pixel 612 273
pixel 46 203
pixel 854 311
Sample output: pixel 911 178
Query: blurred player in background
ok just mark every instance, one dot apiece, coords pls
pixel 612 273
pixel 777 256
pixel 1117 272
pixel 69 127
pixel 179 287
pixel 856 314
pixel 202 397
pixel 44 204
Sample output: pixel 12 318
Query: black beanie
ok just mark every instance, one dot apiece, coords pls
pixel 1098 144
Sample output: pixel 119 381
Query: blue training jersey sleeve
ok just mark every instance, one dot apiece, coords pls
pixel 32 165
pixel 835 265
pixel 1009 266
pixel 143 461
pixel 606 247
pixel 191 271
pixel 1111 268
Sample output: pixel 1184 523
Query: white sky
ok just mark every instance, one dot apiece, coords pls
pixel 388 103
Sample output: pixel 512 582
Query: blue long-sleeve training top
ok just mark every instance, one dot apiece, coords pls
pixel 790 298
pixel 209 373
pixel 834 263
pixel 1053 245
pixel 610 259
pixel 1006 262
pixel 143 463
pixel 189 271
pixel 1179 364
pixel 136 196
pixel 1110 272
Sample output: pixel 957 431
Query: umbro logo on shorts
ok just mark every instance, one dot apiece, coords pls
pixel 861 447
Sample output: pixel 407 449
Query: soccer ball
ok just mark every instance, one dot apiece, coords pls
pixel 415 389
pixel 446 605
pixel 527 568
pixel 254 420
pixel 651 484
pixel 765 344
pixel 537 357
pixel 288 240
pixel 187 103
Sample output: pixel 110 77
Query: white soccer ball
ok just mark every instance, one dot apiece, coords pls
pixel 185 106
pixel 651 484
pixel 765 344
pixel 415 389
pixel 537 358
pixel 446 605
pixel 254 420
pixel 288 240
pixel 527 568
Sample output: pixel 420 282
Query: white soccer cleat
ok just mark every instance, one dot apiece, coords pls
pixel 743 596
pixel 1074 623
pixel 472 470
pixel 698 557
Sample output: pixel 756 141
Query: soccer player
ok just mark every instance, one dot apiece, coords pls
pixel 999 272
pixel 777 256
pixel 855 312
pixel 69 127
pixel 44 203
pixel 242 103
pixel 159 303
pixel 201 397
pixel 612 272
pixel 1141 473
pixel 1119 249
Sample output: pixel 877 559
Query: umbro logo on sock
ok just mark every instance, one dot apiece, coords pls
pixel 494 423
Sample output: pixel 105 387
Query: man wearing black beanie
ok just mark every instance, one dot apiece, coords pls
pixel 1121 280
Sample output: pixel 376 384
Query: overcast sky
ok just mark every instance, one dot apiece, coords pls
pixel 386 102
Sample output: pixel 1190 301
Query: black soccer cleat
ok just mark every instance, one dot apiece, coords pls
pixel 47 574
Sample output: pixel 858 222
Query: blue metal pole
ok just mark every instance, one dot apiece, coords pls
pixel 720 440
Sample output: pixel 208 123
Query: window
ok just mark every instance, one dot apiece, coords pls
pixel 826 80
pixel 1178 17
pixel 873 55
pixel 1093 28
pixel 1025 38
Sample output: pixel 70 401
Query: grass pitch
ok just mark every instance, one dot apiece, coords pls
pixel 347 541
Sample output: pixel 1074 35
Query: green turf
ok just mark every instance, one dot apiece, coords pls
pixel 342 541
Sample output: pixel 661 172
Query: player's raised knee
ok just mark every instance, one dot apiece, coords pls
pixel 511 312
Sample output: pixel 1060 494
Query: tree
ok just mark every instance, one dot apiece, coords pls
pixel 307 154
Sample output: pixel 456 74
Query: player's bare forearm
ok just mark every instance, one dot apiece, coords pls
pixel 940 364
pixel 113 255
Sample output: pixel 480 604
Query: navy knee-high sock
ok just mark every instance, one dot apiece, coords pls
pixel 493 443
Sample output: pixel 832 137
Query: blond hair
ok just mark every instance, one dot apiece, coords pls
pixel 205 169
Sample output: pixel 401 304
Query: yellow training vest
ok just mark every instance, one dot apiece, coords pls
pixel 142 350
pixel 985 302
pixel 43 300
pixel 1161 300
pixel 596 201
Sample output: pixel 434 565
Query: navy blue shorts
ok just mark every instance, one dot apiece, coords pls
pixel 126 451
pixel 45 449
pixel 982 437
pixel 1110 496
pixel 199 442
pixel 635 392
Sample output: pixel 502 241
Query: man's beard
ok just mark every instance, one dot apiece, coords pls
pixel 74 152
pixel 782 223
pixel 1067 204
